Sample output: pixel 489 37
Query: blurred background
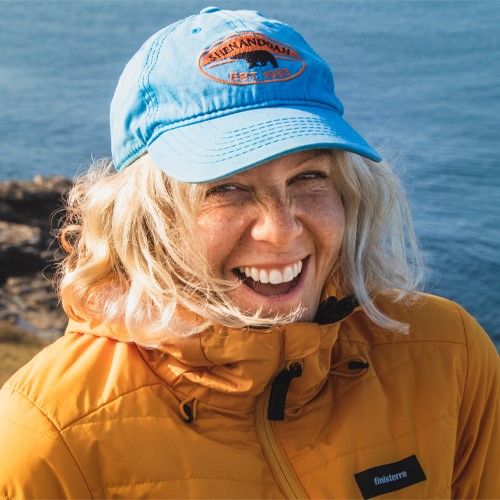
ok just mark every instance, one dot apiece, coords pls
pixel 420 80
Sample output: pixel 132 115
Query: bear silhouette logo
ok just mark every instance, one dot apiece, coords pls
pixel 257 58
pixel 250 58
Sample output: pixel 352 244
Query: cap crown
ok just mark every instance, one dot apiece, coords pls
pixel 209 65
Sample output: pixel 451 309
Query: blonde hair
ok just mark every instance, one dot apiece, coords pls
pixel 380 251
pixel 133 254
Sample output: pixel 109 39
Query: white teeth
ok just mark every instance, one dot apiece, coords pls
pixel 288 274
pixel 255 274
pixel 273 276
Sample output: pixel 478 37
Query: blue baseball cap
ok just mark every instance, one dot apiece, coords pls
pixel 223 91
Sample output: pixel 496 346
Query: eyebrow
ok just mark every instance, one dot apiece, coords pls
pixel 314 154
pixel 318 153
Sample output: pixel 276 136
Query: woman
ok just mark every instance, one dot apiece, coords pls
pixel 242 293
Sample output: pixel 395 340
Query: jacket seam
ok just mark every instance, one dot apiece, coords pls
pixel 202 349
pixel 103 421
pixel 403 341
pixel 467 347
pixel 161 382
pixel 379 443
pixel 416 430
pixel 58 433
pixel 17 424
pixel 367 379
pixel 177 479
pixel 209 403
pixel 73 422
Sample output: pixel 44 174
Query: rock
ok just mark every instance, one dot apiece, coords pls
pixel 27 253
pixel 19 235
pixel 20 249
pixel 32 202
pixel 31 303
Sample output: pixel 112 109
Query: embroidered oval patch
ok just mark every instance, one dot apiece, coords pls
pixel 250 58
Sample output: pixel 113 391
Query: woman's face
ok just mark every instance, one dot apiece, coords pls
pixel 276 230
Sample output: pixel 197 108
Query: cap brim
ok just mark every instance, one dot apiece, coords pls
pixel 223 146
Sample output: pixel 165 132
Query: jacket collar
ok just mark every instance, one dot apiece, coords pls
pixel 229 368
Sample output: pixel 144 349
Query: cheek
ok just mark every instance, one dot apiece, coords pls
pixel 327 221
pixel 219 233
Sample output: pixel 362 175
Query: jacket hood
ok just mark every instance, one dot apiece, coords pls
pixel 222 362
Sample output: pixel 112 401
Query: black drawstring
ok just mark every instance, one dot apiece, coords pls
pixel 357 365
pixel 332 310
pixel 188 409
pixel 189 413
pixel 329 311
pixel 279 388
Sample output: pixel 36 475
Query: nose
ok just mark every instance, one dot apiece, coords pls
pixel 276 223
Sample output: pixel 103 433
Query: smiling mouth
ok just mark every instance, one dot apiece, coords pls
pixel 271 289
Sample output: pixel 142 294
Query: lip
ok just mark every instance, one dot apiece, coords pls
pixel 275 300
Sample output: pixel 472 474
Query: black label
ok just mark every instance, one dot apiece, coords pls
pixel 389 477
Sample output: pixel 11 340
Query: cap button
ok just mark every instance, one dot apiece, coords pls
pixel 208 10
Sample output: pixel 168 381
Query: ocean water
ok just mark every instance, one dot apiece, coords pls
pixel 421 80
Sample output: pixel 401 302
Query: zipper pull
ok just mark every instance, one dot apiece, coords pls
pixel 279 389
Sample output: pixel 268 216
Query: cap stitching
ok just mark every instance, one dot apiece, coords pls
pixel 301 121
pixel 145 77
pixel 174 28
pixel 302 129
pixel 151 61
pixel 227 21
pixel 131 156
pixel 159 129
pixel 242 24
pixel 315 125
pixel 242 150
pixel 154 59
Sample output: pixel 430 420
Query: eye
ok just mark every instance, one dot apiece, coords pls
pixel 222 189
pixel 310 175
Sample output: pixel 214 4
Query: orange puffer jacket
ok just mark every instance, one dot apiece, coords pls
pixel 334 409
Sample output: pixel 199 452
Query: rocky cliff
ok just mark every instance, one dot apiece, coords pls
pixel 29 213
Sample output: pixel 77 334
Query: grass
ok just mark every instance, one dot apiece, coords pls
pixel 17 347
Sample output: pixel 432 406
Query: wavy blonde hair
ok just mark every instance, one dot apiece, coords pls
pixel 133 254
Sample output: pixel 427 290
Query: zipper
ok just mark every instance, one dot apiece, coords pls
pixel 278 462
